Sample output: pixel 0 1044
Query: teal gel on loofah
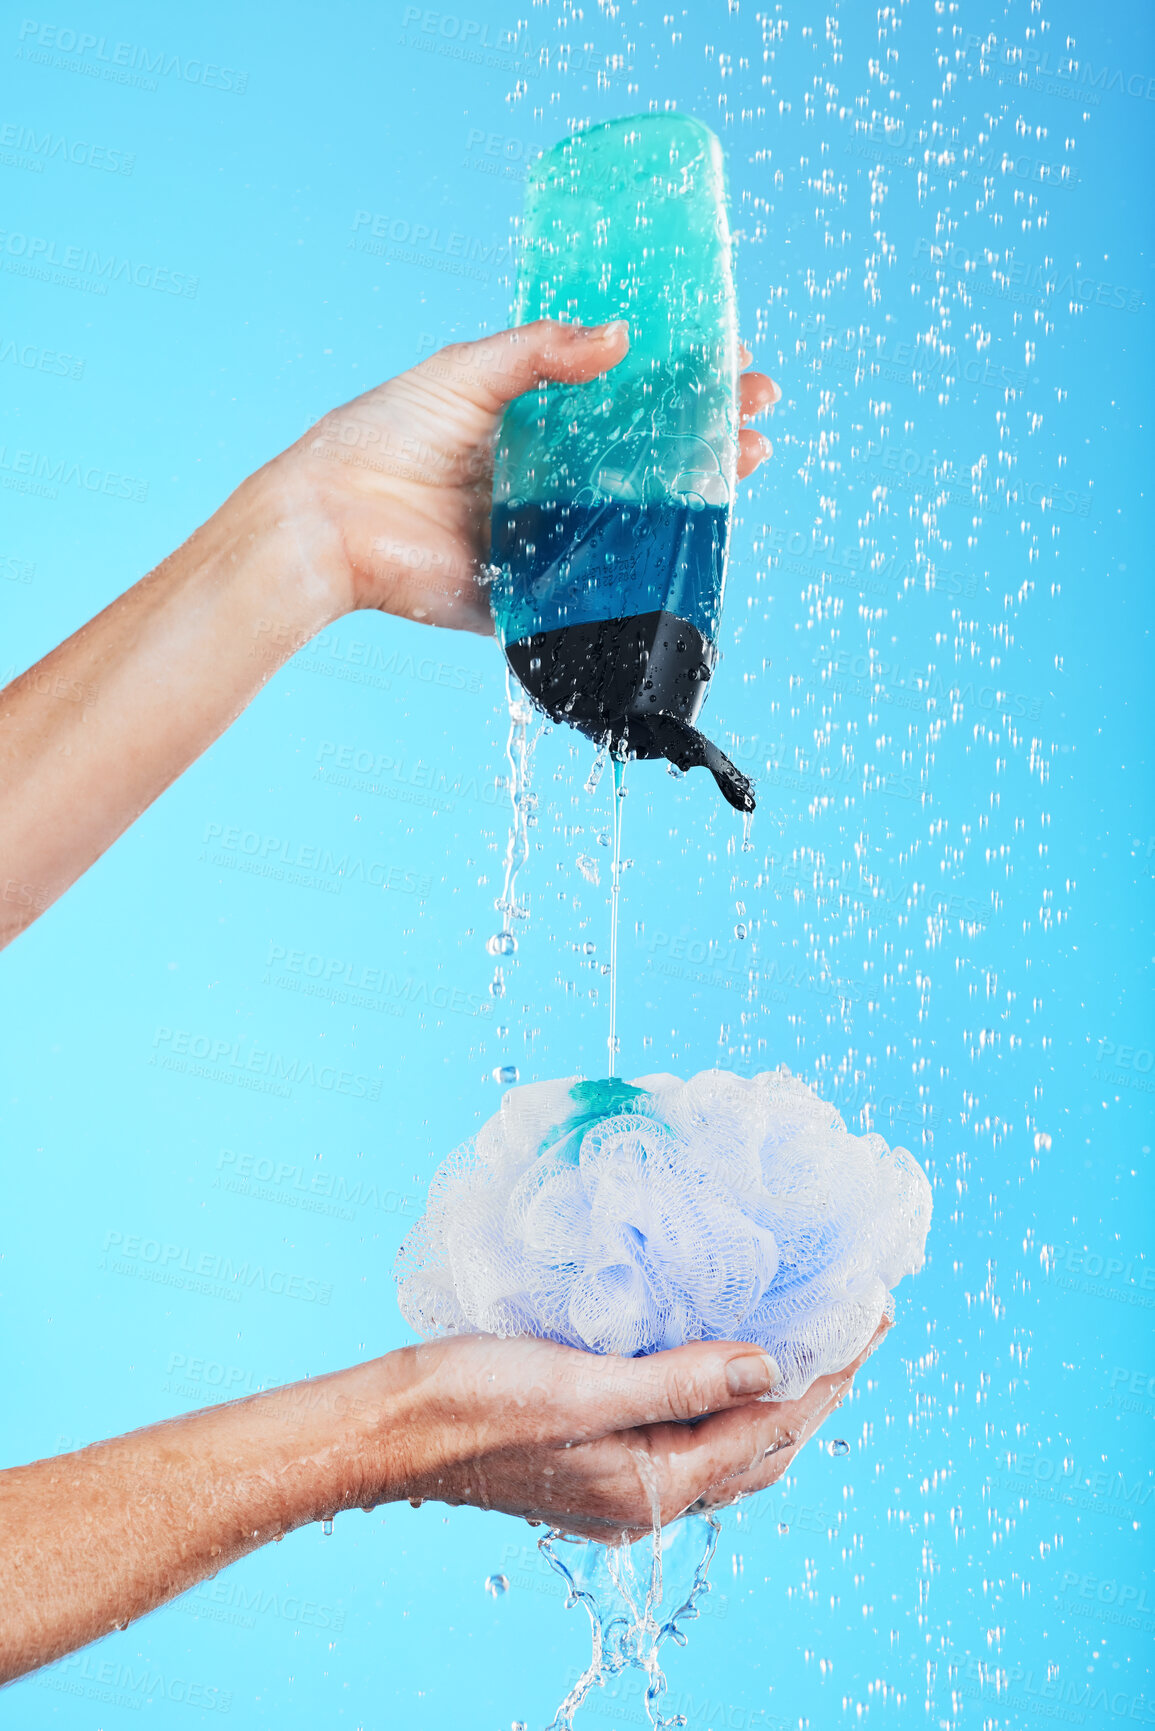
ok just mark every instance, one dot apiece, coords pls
pixel 594 1100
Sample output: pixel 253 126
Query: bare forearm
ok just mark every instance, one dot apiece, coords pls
pixel 93 733
pixel 94 1539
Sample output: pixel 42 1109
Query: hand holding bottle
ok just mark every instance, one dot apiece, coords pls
pixel 398 483
pixel 384 504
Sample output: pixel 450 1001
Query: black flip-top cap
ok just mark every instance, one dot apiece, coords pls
pixel 636 685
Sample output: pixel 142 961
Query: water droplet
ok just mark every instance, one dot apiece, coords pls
pixel 497 986
pixel 588 867
pixel 739 930
pixel 839 1446
pixel 506 1074
pixel 496 1585
pixel 783 1528
pixel 518 1725
pixel 502 944
pixel 327 1528
pixel 604 838
pixel 589 949
pixel 595 774
pixel 416 1502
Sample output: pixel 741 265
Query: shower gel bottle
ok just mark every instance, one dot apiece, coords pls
pixel 612 499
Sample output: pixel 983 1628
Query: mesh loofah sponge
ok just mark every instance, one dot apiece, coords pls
pixel 629 1217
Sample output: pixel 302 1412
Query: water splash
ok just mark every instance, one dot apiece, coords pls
pixel 637 1597
pixel 519 750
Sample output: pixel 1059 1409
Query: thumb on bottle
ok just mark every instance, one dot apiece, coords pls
pixel 494 370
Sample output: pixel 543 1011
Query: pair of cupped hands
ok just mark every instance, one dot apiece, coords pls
pixel 605 1448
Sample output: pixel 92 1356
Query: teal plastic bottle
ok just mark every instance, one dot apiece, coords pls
pixel 612 499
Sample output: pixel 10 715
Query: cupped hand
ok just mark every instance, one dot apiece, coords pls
pixel 599 1446
pixel 390 495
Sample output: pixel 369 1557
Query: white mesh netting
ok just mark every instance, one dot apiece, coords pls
pixel 631 1217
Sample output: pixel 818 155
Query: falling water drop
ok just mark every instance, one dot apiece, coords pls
pixel 327 1528
pixel 595 774
pixel 506 1074
pixel 496 1585
pixel 739 930
pixel 502 944
pixel 839 1446
pixel 783 1528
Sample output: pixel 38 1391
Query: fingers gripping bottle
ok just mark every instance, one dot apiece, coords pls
pixel 612 499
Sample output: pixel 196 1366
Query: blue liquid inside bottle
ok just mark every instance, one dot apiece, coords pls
pixel 611 505
pixel 577 564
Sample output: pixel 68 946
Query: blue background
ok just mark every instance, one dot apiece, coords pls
pixel 936 663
